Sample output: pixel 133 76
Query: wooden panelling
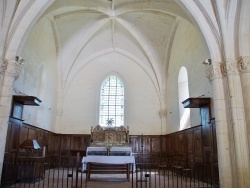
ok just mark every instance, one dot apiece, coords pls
pixel 163 141
pixel 80 142
pixel 12 145
pixel 145 144
pixel 188 144
pixel 32 133
pixel 197 146
pixel 11 150
pixel 156 144
pixel 170 144
pixel 23 134
pixel 40 137
pixel 135 144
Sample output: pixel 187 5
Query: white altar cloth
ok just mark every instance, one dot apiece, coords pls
pixel 108 160
pixel 114 148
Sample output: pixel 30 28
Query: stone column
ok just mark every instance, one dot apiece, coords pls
pixel 10 71
pixel 244 68
pixel 237 122
pixel 222 130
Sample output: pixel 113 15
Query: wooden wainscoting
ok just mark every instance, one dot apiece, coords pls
pixel 196 144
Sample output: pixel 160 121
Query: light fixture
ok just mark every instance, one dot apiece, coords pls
pixel 207 62
pixel 30 145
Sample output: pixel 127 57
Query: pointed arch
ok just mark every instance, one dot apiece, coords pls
pixel 183 92
pixel 111 108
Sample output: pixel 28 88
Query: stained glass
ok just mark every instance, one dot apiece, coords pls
pixel 112 101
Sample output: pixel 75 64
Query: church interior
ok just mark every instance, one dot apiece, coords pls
pixel 151 81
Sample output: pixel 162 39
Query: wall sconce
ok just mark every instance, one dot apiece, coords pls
pixel 30 145
pixel 207 62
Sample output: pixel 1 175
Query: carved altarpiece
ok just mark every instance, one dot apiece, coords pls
pixel 115 136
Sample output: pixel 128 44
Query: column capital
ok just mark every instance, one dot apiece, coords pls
pixel 244 64
pixel 214 72
pixel 11 67
pixel 229 67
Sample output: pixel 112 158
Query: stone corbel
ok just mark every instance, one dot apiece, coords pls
pixel 163 113
pixel 11 68
pixel 244 64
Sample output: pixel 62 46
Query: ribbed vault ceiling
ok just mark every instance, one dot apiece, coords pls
pixel 143 30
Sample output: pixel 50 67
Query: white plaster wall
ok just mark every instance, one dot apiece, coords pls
pixel 81 100
pixel 189 50
pixel 39 76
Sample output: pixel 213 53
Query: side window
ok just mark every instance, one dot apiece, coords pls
pixel 183 92
pixel 112 102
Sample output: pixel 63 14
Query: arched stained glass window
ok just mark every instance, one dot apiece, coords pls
pixel 112 102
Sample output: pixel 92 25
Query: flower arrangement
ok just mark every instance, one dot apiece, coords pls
pixel 108 145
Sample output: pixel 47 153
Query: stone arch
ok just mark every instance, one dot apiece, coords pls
pixel 24 22
pixel 207 29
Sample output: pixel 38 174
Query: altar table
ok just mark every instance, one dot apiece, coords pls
pixel 114 151
pixel 113 160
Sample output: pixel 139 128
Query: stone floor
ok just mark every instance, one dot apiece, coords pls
pixel 60 179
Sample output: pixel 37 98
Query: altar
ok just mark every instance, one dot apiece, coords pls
pixel 112 151
pixel 108 165
pixel 102 160
pixel 109 152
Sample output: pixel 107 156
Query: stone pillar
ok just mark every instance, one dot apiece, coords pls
pixel 244 68
pixel 10 71
pixel 222 129
pixel 237 122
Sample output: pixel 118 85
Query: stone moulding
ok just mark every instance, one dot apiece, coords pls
pixel 214 72
pixel 229 67
pixel 244 64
